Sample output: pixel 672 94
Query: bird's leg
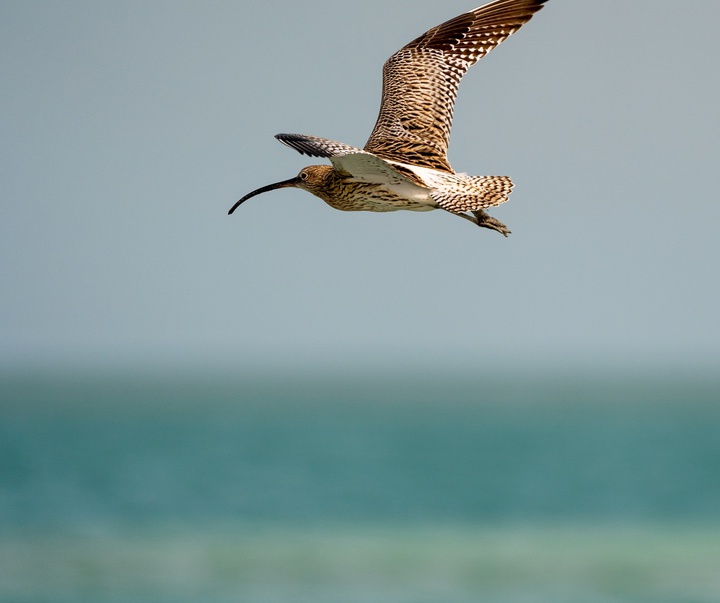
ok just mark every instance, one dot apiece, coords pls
pixel 485 220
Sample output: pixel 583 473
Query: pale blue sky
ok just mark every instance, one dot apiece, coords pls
pixel 129 128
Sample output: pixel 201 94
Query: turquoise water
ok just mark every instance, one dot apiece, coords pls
pixel 183 488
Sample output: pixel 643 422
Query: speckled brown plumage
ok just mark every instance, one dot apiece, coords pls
pixel 420 81
pixel 404 163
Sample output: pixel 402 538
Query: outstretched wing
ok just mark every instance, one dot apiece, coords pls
pixel 314 146
pixel 420 81
pixel 357 164
pixel 351 161
pixel 366 167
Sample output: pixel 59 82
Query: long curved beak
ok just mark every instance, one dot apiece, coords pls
pixel 270 187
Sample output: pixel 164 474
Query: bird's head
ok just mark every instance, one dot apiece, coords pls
pixel 311 178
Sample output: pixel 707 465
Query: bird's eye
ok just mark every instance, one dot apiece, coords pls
pixel 303 175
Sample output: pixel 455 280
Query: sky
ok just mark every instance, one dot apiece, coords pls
pixel 129 129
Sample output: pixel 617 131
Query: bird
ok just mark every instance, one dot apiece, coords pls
pixel 404 165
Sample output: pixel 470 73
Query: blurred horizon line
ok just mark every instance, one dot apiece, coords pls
pixel 399 362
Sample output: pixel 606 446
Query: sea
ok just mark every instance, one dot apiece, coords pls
pixel 366 487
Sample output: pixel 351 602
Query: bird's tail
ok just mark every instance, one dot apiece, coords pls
pixel 473 193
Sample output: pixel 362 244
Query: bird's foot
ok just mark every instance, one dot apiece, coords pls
pixel 485 220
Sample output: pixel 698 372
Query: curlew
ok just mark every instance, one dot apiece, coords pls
pixel 404 163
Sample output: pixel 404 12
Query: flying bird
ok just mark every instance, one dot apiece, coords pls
pixel 404 163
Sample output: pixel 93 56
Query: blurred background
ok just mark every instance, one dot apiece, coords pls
pixel 298 404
